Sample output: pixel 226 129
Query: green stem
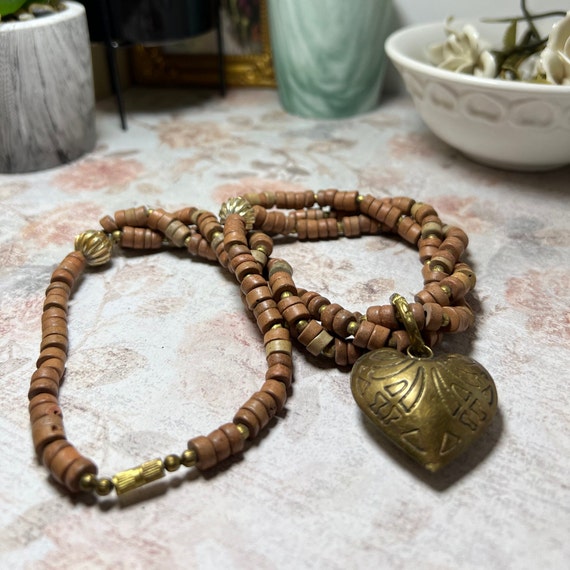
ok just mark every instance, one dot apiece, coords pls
pixel 522 18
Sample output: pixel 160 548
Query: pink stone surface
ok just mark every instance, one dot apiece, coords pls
pixel 161 350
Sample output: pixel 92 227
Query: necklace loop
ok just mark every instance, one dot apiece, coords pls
pixel 417 348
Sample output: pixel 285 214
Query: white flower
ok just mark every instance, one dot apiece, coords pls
pixel 462 52
pixel 555 57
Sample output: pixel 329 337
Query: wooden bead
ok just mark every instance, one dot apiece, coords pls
pixel 45 430
pixel 432 276
pixel 268 318
pixel 73 474
pixel 74 263
pixel 64 276
pixel 251 282
pixel 281 373
pixel 276 334
pixel 341 321
pixel 458 233
pixel 108 224
pixel 260 240
pixel 310 332
pixel 140 238
pixel 321 342
pixel 267 401
pixel 56 363
pixel 250 420
pixel 384 315
pixel 444 259
pixel 54 340
pixel 51 450
pixel 246 268
pixel 187 215
pixel 434 316
pixel 45 409
pixel 280 283
pixel 351 226
pixel 326 197
pixel 456 286
pixel 54 313
pixel 256 296
pixel 205 452
pixel 400 340
pixel 419 211
pixel 41 399
pixel 328 313
pixel 50 353
pixel 59 285
pixel 234 437
pixel 340 352
pixel 54 299
pixel 280 358
pixel 371 336
pixel 404 204
pixel 277 390
pixel 346 201
pixel 221 444
pixel 137 217
pixel 367 225
pixel 293 310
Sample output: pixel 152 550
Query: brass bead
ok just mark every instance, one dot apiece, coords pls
pixel 286 294
pixel 352 327
pixel 340 228
pixel 104 486
pixel 359 198
pixel 329 351
pixel 238 206
pixel 444 320
pixel 446 289
pixel 301 325
pixel 172 462
pixel 188 458
pixel 88 482
pixel 243 430
pixel 436 267
pixel 95 245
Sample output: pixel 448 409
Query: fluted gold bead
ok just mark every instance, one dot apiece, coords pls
pixel 172 462
pixel 188 458
pixel 95 245
pixel 104 486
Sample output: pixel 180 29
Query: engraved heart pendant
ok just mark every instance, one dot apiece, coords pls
pixel 432 408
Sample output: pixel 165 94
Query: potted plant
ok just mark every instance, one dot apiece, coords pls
pixel 47 103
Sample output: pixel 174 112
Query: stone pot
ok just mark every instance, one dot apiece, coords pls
pixel 47 104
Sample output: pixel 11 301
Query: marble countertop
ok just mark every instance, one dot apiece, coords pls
pixel 161 350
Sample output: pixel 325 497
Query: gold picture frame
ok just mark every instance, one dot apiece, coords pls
pixel 155 66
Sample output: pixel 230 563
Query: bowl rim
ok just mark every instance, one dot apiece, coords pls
pixel 397 56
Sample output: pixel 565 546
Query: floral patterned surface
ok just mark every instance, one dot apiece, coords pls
pixel 162 350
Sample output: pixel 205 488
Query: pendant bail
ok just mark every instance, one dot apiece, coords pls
pixel 417 348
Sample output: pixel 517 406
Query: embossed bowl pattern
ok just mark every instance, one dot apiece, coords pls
pixel 505 124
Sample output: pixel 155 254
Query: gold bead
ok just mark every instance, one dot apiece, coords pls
pixel 243 430
pixel 340 228
pixel 329 351
pixel 172 462
pixel 238 206
pixel 444 320
pixel 104 486
pixel 95 245
pixel 286 294
pixel 359 198
pixel 446 289
pixel 188 458
pixel 88 482
pixel 301 325
pixel 352 327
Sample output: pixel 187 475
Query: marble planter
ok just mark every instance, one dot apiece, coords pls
pixel 46 91
pixel 329 54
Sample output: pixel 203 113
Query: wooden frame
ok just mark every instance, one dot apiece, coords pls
pixel 154 66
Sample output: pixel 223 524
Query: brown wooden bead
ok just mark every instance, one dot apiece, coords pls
pixel 221 443
pixel 49 353
pixel 346 201
pixel 64 276
pixel 281 373
pixel 327 315
pixel 326 197
pixel 257 295
pixel 74 263
pixel 456 286
pixel 56 363
pixel 51 450
pixel 281 282
pixel 234 436
pixel 45 409
pixel 73 474
pixel 419 211
pixel 108 224
pixel 371 336
pixel 458 233
pixel 251 282
pixel 267 401
pixel 277 390
pixel 341 321
pixel 250 420
pixel 445 259
pixel 340 352
pixel 64 287
pixel 400 340
pixel 268 319
pixel 351 226
pixel 404 204
pixel 55 340
pixel 205 452
pixel 62 461
pixel 432 276
pixel 310 332
pixel 43 386
pixel 47 429
pixel 54 299
pixel 54 313
pixel 384 315
pixel 137 217
pixel 434 315
pixel 278 333
pixel 41 399
pixel 280 358
pixel 237 260
pixel 293 310
pixel 260 240
pixel 186 215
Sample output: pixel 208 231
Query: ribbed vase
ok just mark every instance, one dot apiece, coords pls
pixel 329 55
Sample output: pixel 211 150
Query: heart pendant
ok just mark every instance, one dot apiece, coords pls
pixel 432 408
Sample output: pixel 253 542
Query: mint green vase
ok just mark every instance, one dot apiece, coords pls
pixel 329 55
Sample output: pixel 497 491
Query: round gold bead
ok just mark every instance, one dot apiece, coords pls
pixel 444 320
pixel 446 289
pixel 301 325
pixel 286 294
pixel 352 327
pixel 243 430
pixel 172 462
pixel 188 458
pixel 104 486
pixel 88 482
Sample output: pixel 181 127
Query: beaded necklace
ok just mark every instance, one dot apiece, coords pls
pixel 431 407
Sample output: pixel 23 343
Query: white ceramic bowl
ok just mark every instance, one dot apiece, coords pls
pixel 506 124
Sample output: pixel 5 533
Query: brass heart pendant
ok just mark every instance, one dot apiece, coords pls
pixel 432 408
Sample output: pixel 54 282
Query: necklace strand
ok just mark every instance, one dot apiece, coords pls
pixel 241 242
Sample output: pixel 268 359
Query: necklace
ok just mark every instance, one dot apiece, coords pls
pixel 431 407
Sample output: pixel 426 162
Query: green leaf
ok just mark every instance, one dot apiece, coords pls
pixel 510 37
pixel 10 6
